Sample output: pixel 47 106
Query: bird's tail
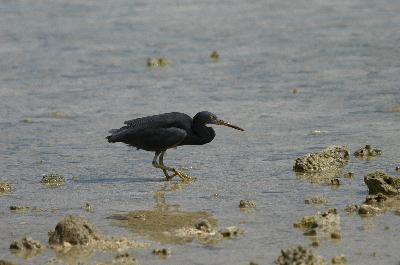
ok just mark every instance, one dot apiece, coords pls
pixel 111 138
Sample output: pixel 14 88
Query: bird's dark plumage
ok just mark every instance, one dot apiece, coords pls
pixel 161 132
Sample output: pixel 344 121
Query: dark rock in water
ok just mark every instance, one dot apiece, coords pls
pixel 74 230
pixel 162 252
pixel 4 187
pixel 18 208
pixel 367 152
pixel 247 204
pixel 53 180
pixel 381 182
pixel 214 56
pixel 26 248
pixel 299 255
pixel 26 243
pixel 230 232
pixel 331 158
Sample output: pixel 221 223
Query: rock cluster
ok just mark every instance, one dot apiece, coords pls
pixel 299 255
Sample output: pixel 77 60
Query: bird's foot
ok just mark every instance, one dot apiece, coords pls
pixel 184 177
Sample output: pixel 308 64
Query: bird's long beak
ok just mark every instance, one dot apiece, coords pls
pixel 221 122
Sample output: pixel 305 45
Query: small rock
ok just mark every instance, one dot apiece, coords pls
pixel 318 199
pixel 397 168
pixel 299 255
pixel 53 180
pixel 163 62
pixel 247 204
pixel 214 56
pixel 124 258
pixel 18 208
pixel 230 232
pixel 203 225
pixel 336 235
pixel 253 263
pixel 162 252
pixel 74 230
pixel 4 187
pixel 295 90
pixel 335 182
pixel 339 260
pixel 152 62
pixel 26 243
pixel 315 243
pixel 367 152
pixel 87 207
pixel 381 182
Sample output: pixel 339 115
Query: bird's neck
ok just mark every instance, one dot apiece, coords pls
pixel 205 134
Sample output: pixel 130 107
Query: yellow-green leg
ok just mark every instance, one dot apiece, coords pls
pixel 165 169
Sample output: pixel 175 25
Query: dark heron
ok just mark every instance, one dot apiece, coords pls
pixel 160 132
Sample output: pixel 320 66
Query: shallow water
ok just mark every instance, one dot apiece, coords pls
pixel 71 70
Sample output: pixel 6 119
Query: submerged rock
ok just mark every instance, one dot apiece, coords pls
pixel 162 252
pixel 214 56
pixel 87 207
pixel 317 200
pixel 230 232
pixel 18 208
pixel 26 247
pixel 247 204
pixel 152 62
pixel 339 260
pixel 74 230
pixel 321 224
pixel 160 62
pixel 53 180
pixel 331 158
pixel 26 243
pixel 367 152
pixel 4 187
pixel 381 182
pixel 299 255
pixel 120 259
pixel 163 62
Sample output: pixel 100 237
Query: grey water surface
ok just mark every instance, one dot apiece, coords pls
pixel 72 70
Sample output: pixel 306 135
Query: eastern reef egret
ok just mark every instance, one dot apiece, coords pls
pixel 160 132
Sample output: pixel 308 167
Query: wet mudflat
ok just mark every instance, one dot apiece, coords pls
pixel 298 76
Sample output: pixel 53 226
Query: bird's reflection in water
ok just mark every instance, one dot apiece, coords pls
pixel 167 223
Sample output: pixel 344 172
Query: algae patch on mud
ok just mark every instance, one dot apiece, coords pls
pixel 176 227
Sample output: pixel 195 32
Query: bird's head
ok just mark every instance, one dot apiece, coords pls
pixel 206 117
